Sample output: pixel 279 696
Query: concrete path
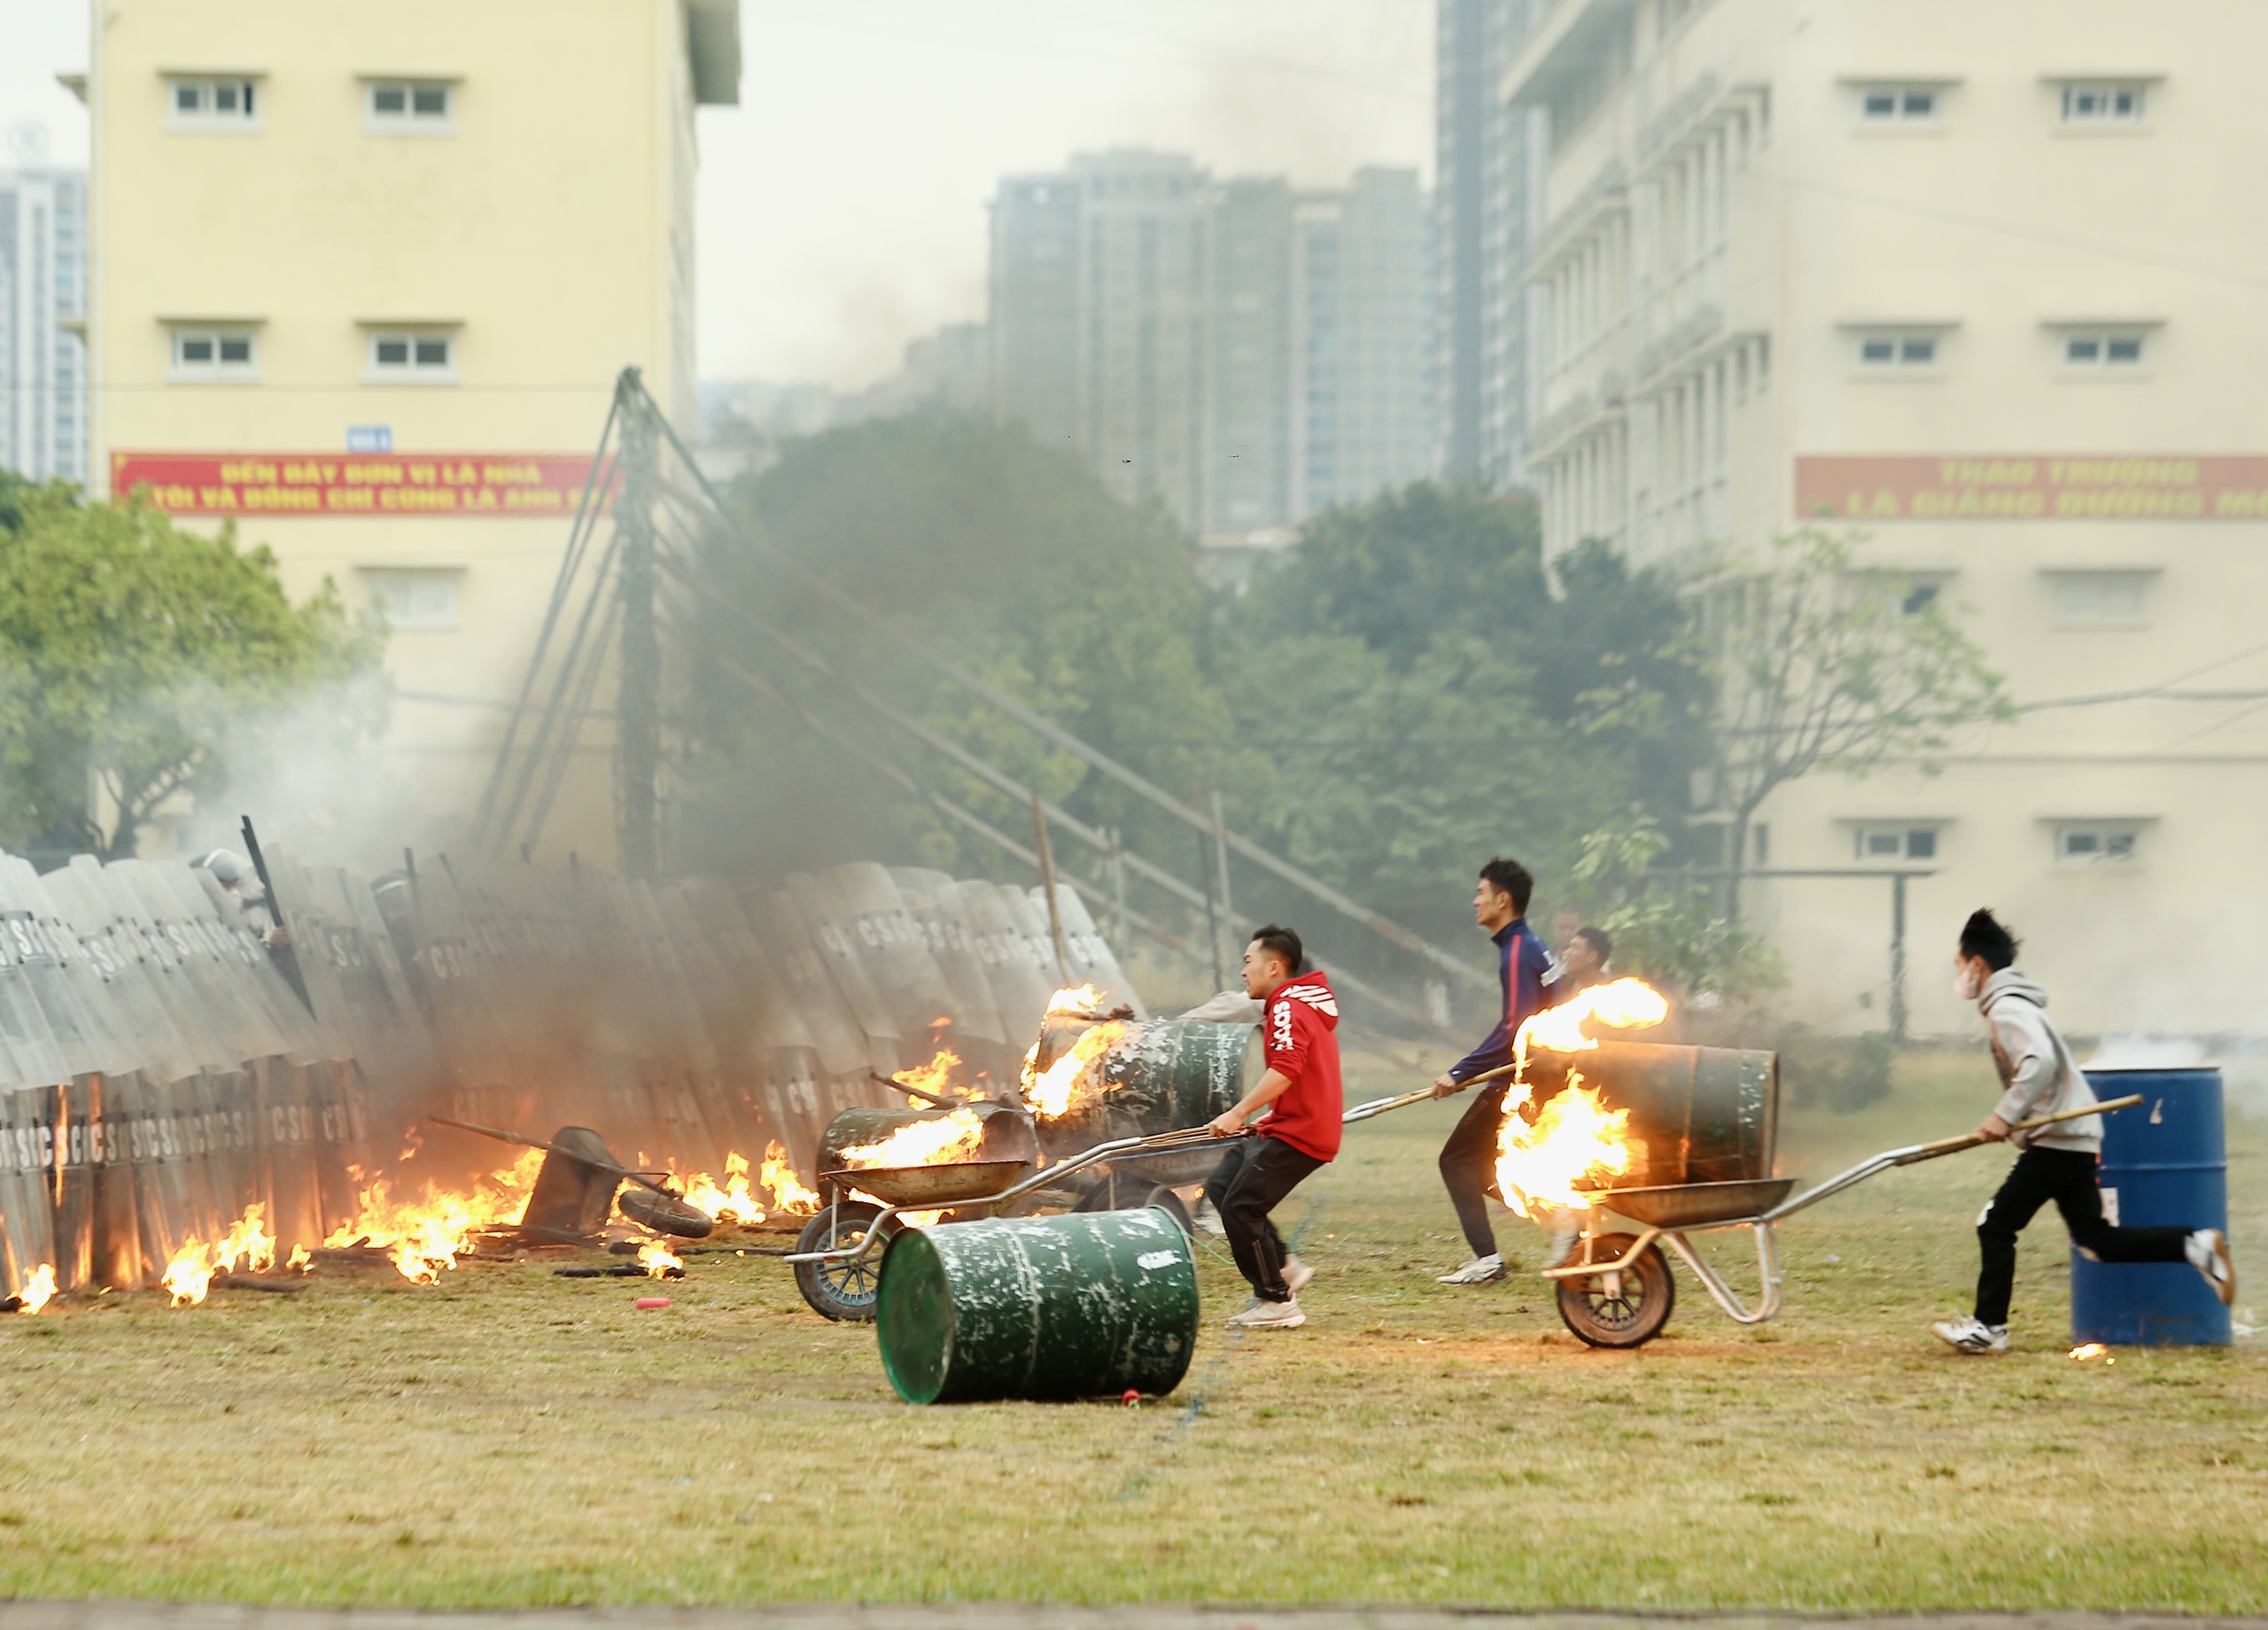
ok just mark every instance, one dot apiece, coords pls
pixel 1017 1616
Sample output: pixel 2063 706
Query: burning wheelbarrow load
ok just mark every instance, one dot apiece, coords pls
pixel 1110 1116
pixel 1679 1140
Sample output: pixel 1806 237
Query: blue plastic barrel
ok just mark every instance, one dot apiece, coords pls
pixel 2165 1165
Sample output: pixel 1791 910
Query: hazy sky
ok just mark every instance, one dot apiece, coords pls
pixel 842 202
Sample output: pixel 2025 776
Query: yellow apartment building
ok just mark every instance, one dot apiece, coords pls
pixel 1981 282
pixel 362 278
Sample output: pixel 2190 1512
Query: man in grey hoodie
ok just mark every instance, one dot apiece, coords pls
pixel 2037 1077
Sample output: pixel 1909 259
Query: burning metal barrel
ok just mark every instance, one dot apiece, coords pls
pixel 1698 1114
pixel 2165 1165
pixel 1088 1305
pixel 1141 1077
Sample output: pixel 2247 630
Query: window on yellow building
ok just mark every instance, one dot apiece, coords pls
pixel 395 354
pixel 214 353
pixel 413 598
pixel 2097 843
pixel 414 105
pixel 2103 350
pixel 2103 104
pixel 1895 843
pixel 1882 105
pixel 212 103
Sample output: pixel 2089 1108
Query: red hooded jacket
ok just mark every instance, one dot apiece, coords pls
pixel 1296 1030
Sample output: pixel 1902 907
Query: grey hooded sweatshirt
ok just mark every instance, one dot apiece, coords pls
pixel 2036 1071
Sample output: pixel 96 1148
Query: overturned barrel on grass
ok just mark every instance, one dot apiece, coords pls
pixel 1083 1306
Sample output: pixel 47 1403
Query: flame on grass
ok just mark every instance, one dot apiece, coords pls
pixel 2086 1350
pixel 425 1237
pixel 1574 1138
pixel 189 1275
pixel 659 1261
pixel 39 1289
pixel 302 1260
pixel 741 1197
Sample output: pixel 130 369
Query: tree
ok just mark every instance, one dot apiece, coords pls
pixel 1820 664
pixel 1010 556
pixel 1669 934
pixel 138 660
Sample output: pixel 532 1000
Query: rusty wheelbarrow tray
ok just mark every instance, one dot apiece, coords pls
pixel 1618 1293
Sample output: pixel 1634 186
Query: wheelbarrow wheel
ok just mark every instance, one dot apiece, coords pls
pixel 1114 1193
pixel 844 1290
pixel 1625 1308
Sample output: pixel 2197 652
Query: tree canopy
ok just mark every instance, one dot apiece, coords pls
pixel 137 661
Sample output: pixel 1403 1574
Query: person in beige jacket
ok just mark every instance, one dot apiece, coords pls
pixel 2037 1077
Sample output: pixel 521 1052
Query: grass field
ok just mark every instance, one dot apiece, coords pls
pixel 511 1438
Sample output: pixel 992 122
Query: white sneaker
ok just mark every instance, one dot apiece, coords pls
pixel 1970 1337
pixel 1297 1275
pixel 1270 1316
pixel 1208 1220
pixel 1479 1270
pixel 2208 1250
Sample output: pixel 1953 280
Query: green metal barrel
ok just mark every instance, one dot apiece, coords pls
pixel 1082 1306
pixel 1161 1075
pixel 1698 1114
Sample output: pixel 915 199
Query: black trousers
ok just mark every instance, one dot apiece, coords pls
pixel 2067 1177
pixel 1251 1181
pixel 1468 1167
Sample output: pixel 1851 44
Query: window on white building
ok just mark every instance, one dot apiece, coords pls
pixel 2100 599
pixel 421 598
pixel 395 354
pixel 212 104
pixel 1897 351
pixel 215 353
pixel 1882 104
pixel 1903 842
pixel 2103 104
pixel 409 105
pixel 2097 843
pixel 2105 349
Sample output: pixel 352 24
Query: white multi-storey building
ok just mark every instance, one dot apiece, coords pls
pixel 43 318
pixel 1978 284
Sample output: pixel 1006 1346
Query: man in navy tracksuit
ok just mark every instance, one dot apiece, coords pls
pixel 1468 1157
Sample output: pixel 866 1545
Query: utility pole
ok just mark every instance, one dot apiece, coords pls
pixel 637 724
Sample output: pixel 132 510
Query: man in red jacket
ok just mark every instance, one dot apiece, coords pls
pixel 1300 1089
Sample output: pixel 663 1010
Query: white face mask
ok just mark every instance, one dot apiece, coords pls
pixel 1966 985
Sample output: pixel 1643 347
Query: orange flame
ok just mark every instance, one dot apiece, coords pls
pixel 189 1275
pixel 733 1202
pixel 302 1258
pixel 1072 1082
pixel 659 1261
pixel 935 1076
pixel 39 1289
pixel 787 1189
pixel 426 1235
pixel 1625 1004
pixel 2088 1349
pixel 1574 1138
pixel 923 1142
pixel 1076 1000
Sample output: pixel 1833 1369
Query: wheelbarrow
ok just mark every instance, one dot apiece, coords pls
pixel 837 1261
pixel 1618 1291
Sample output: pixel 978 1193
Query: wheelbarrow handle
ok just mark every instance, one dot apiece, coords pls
pixel 1382 1105
pixel 1915 1152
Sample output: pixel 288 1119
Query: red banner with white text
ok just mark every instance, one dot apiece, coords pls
pixel 388 485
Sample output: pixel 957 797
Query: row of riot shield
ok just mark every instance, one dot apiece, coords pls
pixel 171 1056
pixel 159 1076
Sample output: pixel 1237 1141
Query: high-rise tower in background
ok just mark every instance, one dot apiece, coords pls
pixel 1485 199
pixel 1244 353
pixel 43 313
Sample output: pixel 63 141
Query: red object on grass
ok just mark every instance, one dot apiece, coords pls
pixel 1133 1395
pixel 653 1301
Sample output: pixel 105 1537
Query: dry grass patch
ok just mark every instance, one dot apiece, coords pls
pixel 511 1438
